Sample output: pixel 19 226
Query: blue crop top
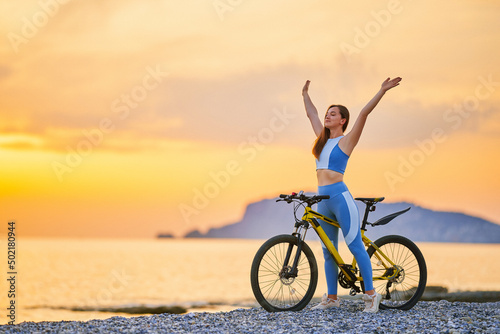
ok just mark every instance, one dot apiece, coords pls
pixel 332 157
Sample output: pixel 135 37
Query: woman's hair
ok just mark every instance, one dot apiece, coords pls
pixel 325 134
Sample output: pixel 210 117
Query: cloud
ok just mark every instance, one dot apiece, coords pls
pixel 5 72
pixel 20 142
pixel 227 76
pixel 227 110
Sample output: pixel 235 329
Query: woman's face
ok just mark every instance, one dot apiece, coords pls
pixel 333 118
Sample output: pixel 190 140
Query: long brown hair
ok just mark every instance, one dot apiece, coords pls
pixel 325 134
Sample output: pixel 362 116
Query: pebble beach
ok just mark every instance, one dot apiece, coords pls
pixel 425 317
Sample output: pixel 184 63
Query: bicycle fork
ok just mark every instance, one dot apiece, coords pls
pixel 292 271
pixel 288 271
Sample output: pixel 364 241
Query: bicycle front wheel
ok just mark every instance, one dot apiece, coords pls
pixel 403 291
pixel 274 284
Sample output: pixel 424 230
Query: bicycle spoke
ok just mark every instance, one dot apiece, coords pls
pixel 399 291
pixel 280 289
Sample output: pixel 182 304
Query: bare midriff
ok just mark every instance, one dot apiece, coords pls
pixel 326 177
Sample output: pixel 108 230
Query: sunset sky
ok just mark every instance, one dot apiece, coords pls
pixel 125 118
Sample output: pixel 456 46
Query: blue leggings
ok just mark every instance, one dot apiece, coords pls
pixel 342 208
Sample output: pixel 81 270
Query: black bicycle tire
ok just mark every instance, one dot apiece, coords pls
pixel 422 277
pixel 265 300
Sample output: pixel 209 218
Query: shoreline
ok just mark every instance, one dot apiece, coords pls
pixel 432 293
pixel 428 317
pixel 54 314
pixel 437 293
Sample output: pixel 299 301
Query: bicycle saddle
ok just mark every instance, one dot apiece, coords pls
pixel 370 200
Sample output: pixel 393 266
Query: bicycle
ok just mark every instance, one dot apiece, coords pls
pixel 284 272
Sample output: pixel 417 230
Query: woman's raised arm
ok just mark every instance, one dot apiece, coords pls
pixel 311 111
pixel 351 139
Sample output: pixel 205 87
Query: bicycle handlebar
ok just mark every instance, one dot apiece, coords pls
pixel 304 198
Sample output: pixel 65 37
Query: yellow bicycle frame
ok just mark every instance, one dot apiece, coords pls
pixel 310 216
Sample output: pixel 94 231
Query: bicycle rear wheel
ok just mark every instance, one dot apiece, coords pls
pixel 273 286
pixel 404 291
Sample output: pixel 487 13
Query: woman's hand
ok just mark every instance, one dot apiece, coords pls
pixel 388 83
pixel 305 90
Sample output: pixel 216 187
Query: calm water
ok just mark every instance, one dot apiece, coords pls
pixel 57 275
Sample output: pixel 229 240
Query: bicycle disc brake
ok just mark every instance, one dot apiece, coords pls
pixel 286 276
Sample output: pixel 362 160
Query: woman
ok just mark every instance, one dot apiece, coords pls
pixel 332 150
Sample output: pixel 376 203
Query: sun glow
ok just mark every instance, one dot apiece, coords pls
pixel 126 118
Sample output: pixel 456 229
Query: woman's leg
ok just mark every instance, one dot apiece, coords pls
pixel 331 269
pixel 347 213
pixel 342 206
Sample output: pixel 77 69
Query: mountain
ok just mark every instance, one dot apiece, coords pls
pixel 268 218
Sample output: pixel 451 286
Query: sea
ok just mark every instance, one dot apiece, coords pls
pixel 82 279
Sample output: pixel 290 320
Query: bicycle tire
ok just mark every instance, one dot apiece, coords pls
pixel 409 286
pixel 274 293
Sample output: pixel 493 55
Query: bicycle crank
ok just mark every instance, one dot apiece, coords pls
pixel 348 282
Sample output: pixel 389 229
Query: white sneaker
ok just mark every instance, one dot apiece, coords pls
pixel 372 302
pixel 326 303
